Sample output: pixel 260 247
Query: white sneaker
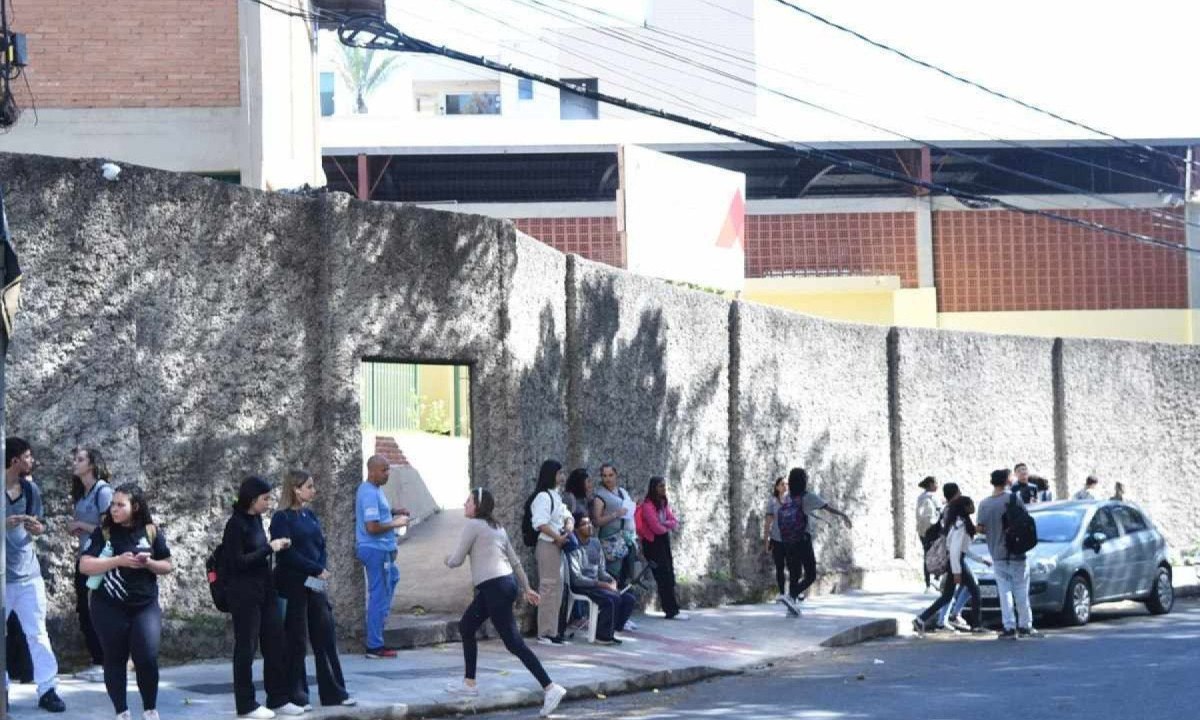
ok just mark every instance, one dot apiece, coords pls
pixel 259 713
pixel 349 702
pixel 554 695
pixel 94 673
pixel 307 707
pixel 149 715
pixel 630 624
pixel 125 716
pixel 289 709
pixel 461 688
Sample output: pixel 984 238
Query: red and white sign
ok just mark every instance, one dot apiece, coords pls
pixel 682 220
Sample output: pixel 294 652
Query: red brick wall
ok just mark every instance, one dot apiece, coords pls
pixel 130 53
pixel 999 260
pixel 594 238
pixel 833 244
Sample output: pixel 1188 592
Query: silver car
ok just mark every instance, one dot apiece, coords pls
pixel 1088 552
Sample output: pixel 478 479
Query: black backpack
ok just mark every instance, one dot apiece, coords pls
pixel 529 533
pixel 1020 531
pixel 214 568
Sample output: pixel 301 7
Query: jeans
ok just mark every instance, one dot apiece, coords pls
pixel 128 632
pixel 802 565
pixel 961 596
pixel 309 619
pixel 382 578
pixel 658 551
pixel 1012 581
pixel 85 619
pixel 256 621
pixel 28 601
pixel 550 586
pixel 615 609
pixel 780 561
pixel 948 590
pixel 494 599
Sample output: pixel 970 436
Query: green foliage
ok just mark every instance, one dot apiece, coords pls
pixel 362 75
pixel 436 417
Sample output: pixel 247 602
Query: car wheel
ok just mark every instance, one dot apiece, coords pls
pixel 1077 606
pixel 1162 595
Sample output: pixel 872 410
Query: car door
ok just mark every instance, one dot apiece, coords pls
pixel 1136 575
pixel 1104 560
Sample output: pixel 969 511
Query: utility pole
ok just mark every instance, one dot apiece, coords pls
pixel 4 240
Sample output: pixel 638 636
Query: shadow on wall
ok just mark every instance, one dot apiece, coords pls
pixel 635 402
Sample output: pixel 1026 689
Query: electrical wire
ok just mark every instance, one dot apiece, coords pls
pixel 377 34
pixel 1141 147
pixel 611 32
pixel 717 51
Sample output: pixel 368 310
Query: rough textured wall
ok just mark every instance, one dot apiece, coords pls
pixel 811 393
pixel 167 320
pixel 1131 415
pixel 649 391
pixel 965 405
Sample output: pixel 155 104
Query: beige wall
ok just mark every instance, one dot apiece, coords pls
pixel 1170 326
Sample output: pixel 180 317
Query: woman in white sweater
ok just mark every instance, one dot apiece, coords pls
pixel 959 530
pixel 495 572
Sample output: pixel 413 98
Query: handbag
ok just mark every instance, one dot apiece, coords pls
pixel 615 548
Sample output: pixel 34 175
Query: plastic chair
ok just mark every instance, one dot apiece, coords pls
pixel 593 612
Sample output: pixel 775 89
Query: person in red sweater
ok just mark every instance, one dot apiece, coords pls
pixel 654 527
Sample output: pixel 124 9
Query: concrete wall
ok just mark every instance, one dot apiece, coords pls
pixel 1130 415
pixel 811 393
pixel 648 391
pixel 196 331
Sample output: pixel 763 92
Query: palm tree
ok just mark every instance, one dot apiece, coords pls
pixel 355 68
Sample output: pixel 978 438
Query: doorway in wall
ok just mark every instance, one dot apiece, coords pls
pixel 417 416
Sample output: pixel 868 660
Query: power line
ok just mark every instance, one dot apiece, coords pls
pixel 706 48
pixel 637 42
pixel 377 34
pixel 979 86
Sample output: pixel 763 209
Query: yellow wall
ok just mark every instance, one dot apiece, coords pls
pixel 872 300
pixel 1173 326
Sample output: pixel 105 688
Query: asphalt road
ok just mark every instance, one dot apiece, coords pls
pixel 1126 664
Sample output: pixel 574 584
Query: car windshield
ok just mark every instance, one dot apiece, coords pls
pixel 1057 526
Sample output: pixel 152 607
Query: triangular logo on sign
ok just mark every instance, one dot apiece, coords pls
pixel 733 231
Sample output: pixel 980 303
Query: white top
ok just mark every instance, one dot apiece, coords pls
pixel 1084 494
pixel 927 511
pixel 491 553
pixel 548 509
pixel 958 544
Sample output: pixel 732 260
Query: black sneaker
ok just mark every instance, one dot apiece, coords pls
pixel 1006 635
pixel 608 641
pixel 51 702
pixel 1029 633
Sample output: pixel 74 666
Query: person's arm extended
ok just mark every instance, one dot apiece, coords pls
pixel 831 509
pixel 465 541
pixel 377 527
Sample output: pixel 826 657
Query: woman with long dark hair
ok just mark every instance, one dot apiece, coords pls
pixel 254 603
pixel 578 492
pixel 553 523
pixel 300 578
pixel 959 530
pixel 128 552
pixel 91 495
pixel 496 573
pixel 774 541
pixel 657 523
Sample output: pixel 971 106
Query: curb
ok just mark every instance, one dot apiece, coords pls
pixel 886 627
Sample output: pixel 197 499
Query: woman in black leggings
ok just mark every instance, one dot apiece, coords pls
pixel 495 572
pixel 127 553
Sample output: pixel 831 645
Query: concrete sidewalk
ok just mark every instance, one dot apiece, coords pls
pixel 660 653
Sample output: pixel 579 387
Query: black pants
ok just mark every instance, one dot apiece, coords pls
pixel 948 588
pixel 309 619
pixel 256 623
pixel 801 565
pixel 658 551
pixel 126 632
pixel 494 599
pixel 85 619
pixel 780 561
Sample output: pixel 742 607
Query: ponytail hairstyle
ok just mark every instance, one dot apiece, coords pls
pixel 485 505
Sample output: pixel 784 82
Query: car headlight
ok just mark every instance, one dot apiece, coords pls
pixel 1042 568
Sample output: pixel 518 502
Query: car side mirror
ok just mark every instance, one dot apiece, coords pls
pixel 1095 540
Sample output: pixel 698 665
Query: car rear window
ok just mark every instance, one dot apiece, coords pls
pixel 1058 525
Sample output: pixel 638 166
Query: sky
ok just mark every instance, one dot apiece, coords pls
pixel 1124 67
